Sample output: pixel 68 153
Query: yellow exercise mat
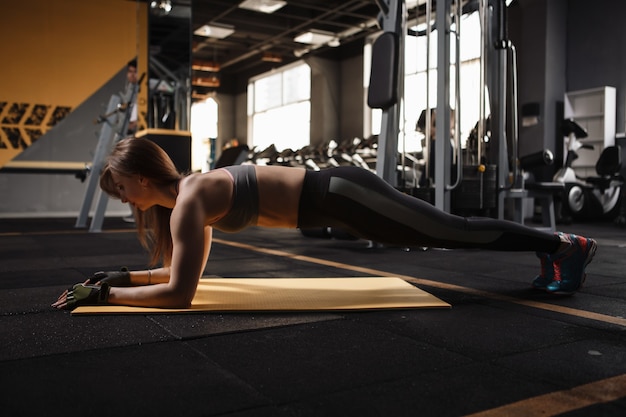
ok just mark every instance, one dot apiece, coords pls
pixel 292 294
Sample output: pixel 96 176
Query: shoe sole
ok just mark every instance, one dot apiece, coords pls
pixel 592 252
pixel 538 287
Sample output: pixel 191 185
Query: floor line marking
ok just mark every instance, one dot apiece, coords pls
pixel 559 402
pixel 64 232
pixel 619 321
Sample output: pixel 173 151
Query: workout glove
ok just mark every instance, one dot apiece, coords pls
pixel 119 278
pixel 87 295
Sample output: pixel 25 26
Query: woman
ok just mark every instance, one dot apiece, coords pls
pixel 176 214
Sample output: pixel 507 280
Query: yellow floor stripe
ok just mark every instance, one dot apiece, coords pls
pixel 63 232
pixel 620 321
pixel 559 402
pixel 547 405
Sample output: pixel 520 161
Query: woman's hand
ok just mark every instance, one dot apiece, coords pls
pixel 61 302
pixel 82 294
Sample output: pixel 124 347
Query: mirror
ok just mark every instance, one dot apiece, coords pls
pixel 164 54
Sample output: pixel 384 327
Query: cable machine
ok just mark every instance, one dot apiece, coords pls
pixel 386 87
pixel 466 180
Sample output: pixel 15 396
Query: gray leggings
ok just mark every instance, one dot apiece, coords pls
pixel 360 203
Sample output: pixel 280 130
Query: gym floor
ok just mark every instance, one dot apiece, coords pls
pixel 502 349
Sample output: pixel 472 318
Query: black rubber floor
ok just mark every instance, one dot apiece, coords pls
pixel 501 350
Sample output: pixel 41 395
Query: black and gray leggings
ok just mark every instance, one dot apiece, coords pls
pixel 362 204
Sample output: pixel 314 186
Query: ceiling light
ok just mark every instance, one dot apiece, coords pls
pixel 202 96
pixel 208 66
pixel 334 42
pixel 300 52
pixel 315 37
pixel 215 30
pixel 210 81
pixel 270 57
pixel 263 6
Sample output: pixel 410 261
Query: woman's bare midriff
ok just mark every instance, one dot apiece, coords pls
pixel 279 195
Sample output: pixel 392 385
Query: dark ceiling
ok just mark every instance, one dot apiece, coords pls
pixel 257 35
pixel 261 41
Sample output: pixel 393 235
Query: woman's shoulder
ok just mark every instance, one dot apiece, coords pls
pixel 210 191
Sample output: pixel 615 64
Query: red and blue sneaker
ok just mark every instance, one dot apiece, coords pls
pixel 569 264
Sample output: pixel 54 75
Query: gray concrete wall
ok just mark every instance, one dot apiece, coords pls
pixel 351 118
pixel 326 98
pixel 229 120
pixel 596 49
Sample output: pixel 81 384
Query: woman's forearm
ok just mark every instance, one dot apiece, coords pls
pixel 158 295
pixel 150 276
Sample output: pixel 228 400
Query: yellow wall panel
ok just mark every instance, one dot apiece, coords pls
pixel 61 51
pixel 53 56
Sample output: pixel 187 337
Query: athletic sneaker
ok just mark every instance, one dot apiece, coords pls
pixel 569 265
pixel 546 276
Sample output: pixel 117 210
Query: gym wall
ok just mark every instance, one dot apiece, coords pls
pixel 55 55
pixel 596 49
pixel 566 45
pixel 61 61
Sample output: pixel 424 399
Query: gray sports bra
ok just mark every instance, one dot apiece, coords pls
pixel 244 210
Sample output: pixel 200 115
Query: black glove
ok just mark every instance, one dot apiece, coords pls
pixel 119 278
pixel 87 295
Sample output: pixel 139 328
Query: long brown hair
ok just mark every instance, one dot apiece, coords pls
pixel 142 157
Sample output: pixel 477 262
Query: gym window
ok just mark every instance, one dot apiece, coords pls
pixel 203 126
pixel 279 108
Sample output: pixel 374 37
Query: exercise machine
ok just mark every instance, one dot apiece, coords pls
pixel 114 127
pixel 591 197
